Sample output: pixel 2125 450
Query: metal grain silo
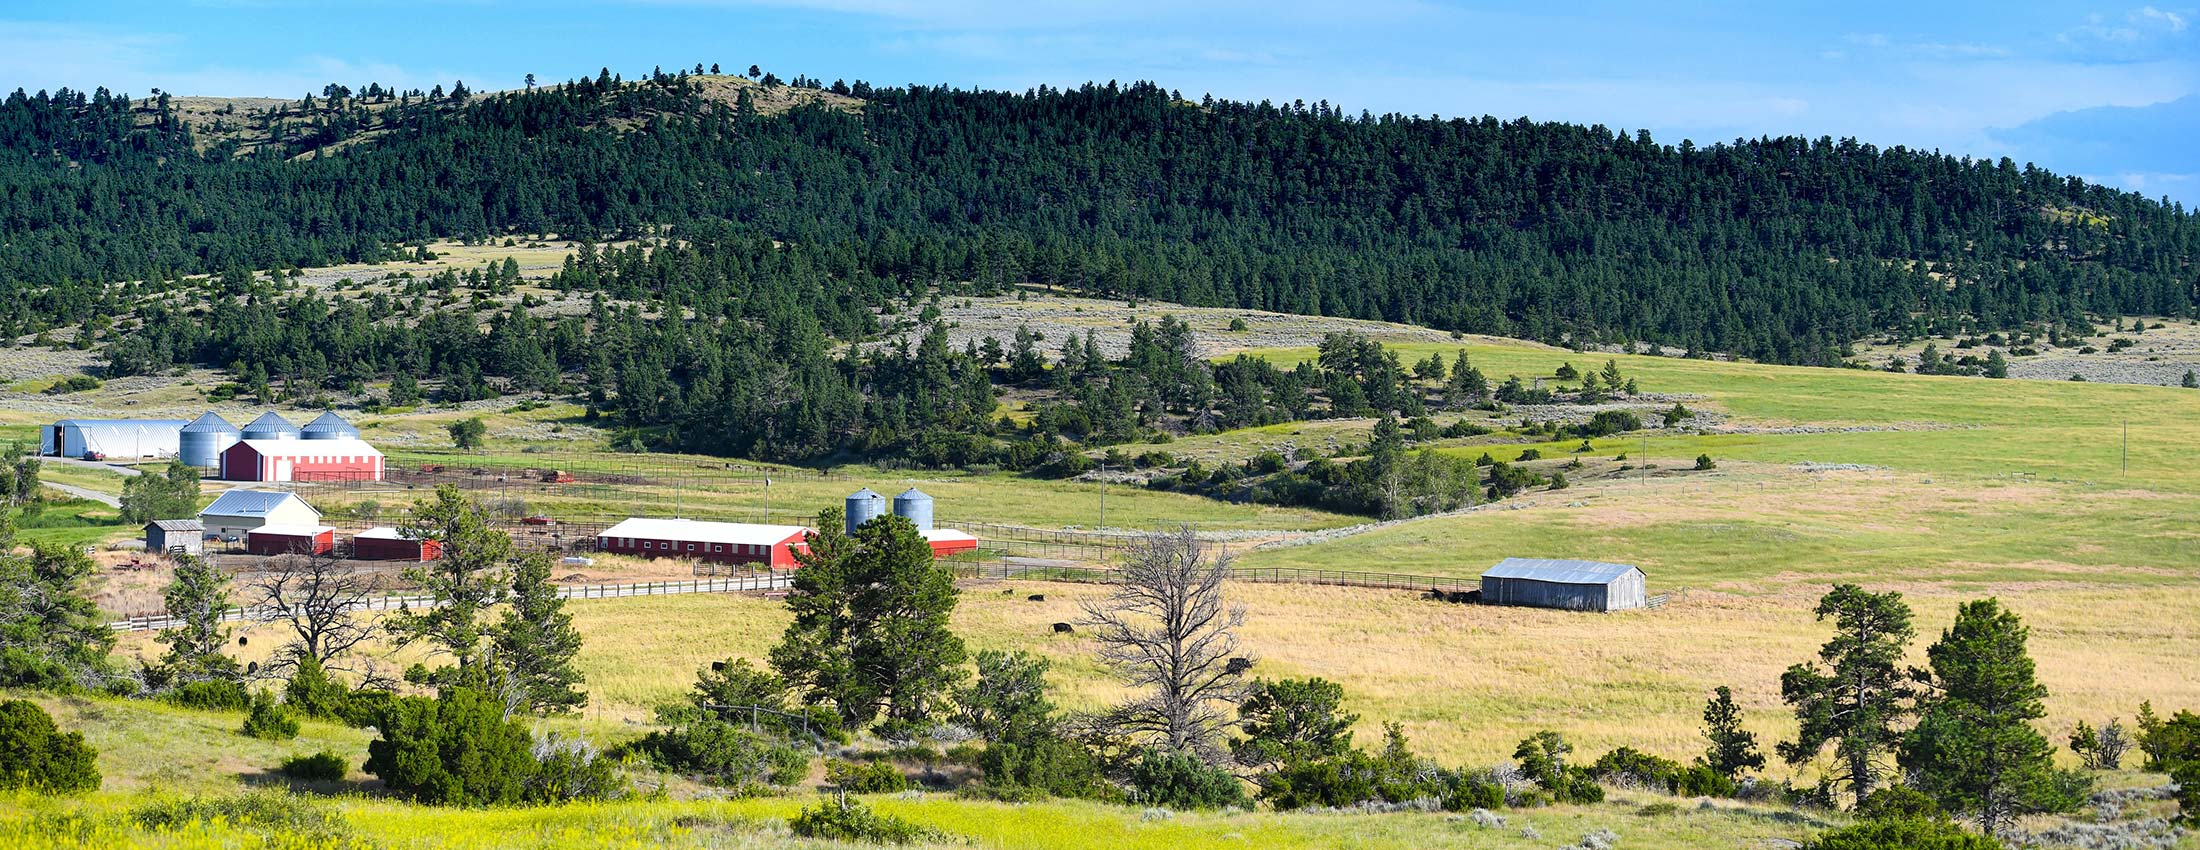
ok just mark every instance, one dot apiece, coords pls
pixel 202 442
pixel 863 506
pixel 916 507
pixel 270 427
pixel 329 426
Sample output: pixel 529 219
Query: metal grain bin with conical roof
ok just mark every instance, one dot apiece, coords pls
pixel 202 442
pixel 329 426
pixel 863 506
pixel 916 507
pixel 270 427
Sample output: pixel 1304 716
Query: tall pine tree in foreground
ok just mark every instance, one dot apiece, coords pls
pixel 198 597
pixel 1974 749
pixel 535 642
pixel 870 632
pixel 1856 697
pixel 468 578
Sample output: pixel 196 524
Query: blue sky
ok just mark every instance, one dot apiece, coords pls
pixel 2108 90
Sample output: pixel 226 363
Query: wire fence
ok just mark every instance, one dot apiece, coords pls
pixel 755 582
pixel 1006 569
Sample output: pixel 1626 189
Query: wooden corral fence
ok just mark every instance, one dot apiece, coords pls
pixel 758 582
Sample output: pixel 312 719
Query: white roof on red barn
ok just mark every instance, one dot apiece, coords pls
pixel 384 532
pixel 947 535
pixel 292 530
pixel 312 448
pixel 703 531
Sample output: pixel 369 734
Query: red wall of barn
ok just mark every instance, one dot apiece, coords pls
pixel 780 556
pixel 944 548
pixel 388 549
pixel 284 544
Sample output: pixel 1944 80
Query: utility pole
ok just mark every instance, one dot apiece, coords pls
pixel 1103 495
pixel 1645 459
pixel 2127 446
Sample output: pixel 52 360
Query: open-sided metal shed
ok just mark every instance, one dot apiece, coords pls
pixel 1573 585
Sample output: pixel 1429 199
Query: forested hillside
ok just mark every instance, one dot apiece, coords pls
pixel 1778 249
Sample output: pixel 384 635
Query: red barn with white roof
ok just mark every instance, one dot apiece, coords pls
pixel 948 541
pixel 301 460
pixel 718 542
pixel 290 540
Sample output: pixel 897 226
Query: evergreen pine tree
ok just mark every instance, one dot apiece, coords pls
pixel 535 642
pixel 1733 749
pixel 1974 749
pixel 198 597
pixel 1860 694
pixel 466 579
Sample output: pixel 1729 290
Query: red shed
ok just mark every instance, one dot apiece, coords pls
pixel 948 541
pixel 719 542
pixel 290 539
pixel 301 460
pixel 390 544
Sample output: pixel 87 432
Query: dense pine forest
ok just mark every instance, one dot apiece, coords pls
pixel 1778 249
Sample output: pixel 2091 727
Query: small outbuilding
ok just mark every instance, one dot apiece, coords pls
pixel 290 540
pixel 949 541
pixel 393 544
pixel 1572 585
pixel 236 512
pixel 175 537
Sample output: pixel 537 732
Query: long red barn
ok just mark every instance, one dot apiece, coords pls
pixel 718 542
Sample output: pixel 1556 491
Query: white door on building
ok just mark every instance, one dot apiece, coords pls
pixel 282 469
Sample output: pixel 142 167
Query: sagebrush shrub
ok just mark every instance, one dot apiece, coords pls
pixel 319 767
pixel 269 719
pixel 848 820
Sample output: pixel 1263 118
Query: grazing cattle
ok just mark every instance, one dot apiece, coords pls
pixel 1063 629
pixel 1037 597
pixel 1238 665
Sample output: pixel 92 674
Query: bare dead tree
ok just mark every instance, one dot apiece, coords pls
pixel 1166 629
pixel 324 601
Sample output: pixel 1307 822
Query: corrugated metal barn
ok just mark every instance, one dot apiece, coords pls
pixel 187 536
pixel 1572 585
pixel 238 511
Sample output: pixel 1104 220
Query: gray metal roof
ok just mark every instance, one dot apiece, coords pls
pixel 865 493
pixel 210 422
pixel 178 525
pixel 912 493
pixel 1558 571
pixel 330 423
pixel 270 421
pixel 247 503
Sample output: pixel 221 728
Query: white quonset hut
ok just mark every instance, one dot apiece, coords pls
pixel 111 438
pixel 1572 585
